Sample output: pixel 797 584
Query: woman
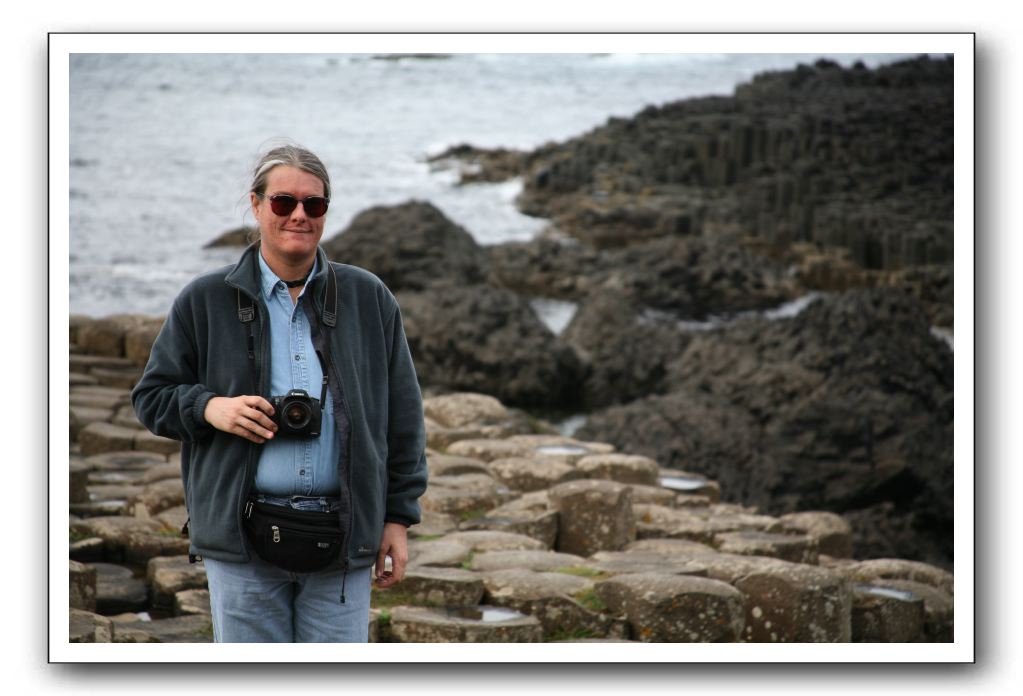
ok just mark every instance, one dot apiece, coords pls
pixel 290 505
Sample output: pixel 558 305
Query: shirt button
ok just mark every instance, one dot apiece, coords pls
pixel 301 472
pixel 298 357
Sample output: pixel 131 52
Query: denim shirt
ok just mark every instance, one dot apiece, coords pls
pixel 295 466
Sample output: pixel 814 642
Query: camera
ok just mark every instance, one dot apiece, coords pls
pixel 296 414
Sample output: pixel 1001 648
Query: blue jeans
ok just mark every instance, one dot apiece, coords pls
pixel 256 602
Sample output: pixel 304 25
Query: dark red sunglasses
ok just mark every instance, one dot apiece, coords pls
pixel 285 204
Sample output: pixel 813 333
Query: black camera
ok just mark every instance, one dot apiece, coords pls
pixel 296 414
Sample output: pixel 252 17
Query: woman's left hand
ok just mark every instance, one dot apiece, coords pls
pixel 393 543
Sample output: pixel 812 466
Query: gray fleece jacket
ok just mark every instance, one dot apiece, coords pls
pixel 205 349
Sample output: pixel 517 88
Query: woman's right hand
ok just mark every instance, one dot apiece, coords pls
pixel 244 416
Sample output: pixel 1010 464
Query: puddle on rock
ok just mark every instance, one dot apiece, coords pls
pixel 485 614
pixel 562 449
pixel 891 592
pixel 683 483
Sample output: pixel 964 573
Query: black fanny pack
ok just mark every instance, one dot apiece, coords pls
pixel 299 541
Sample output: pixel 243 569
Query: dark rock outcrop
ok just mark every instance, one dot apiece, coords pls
pixel 412 246
pixel 844 407
pixel 483 339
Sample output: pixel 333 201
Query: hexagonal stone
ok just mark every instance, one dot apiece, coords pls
pixel 171 575
pixel 84 364
pixel 124 461
pixel 832 532
pixel 488 450
pixel 653 495
pixel 78 479
pixel 525 560
pixel 99 397
pixel 87 627
pixel 117 590
pixel 438 552
pixel 82 586
pixel 939 609
pixel 120 377
pixel 465 408
pixel 549 598
pixel 661 522
pixel 541 525
pixel 623 468
pixel 671 547
pixel 443 586
pixel 105 437
pixel 565 449
pixel 433 524
pixel 593 515
pixel 146 441
pixel 81 416
pixel 458 502
pixel 480 541
pixel 126 417
pixel 626 562
pixel 193 628
pixel 87 550
pixel 533 474
pixel 188 602
pixel 480 624
pixel 155 498
pixel 898 569
pixel 450 465
pixel 791 602
pixel 139 339
pixel 113 531
pixel 789 547
pixel 675 608
pixel 161 472
pixel 886 615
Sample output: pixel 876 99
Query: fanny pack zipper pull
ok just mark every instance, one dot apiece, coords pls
pixel 277 533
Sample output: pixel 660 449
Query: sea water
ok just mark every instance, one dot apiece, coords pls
pixel 162 145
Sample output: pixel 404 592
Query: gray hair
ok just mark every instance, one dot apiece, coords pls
pixel 292 156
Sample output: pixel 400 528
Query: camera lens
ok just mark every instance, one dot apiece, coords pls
pixel 297 415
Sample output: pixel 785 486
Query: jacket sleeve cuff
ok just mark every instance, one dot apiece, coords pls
pixel 199 411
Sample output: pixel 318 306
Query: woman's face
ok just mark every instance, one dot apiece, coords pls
pixel 290 239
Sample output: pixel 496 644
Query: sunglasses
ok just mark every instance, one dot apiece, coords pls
pixel 284 204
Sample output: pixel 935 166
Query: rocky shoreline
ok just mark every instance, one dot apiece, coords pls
pixel 527 536
pixel 760 296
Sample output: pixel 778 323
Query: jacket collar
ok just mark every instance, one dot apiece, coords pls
pixel 246 276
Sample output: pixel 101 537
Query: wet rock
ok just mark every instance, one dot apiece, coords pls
pixel 443 586
pixel 545 267
pixel 485 339
pixel 675 608
pixel 653 495
pixel 480 624
pixel 788 547
pixel 567 450
pixel 885 615
pixel 117 590
pixel 548 597
pixel 489 450
pixel 82 586
pixel 594 516
pixel 411 246
pixel 832 533
pixel 686 483
pixel 87 627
